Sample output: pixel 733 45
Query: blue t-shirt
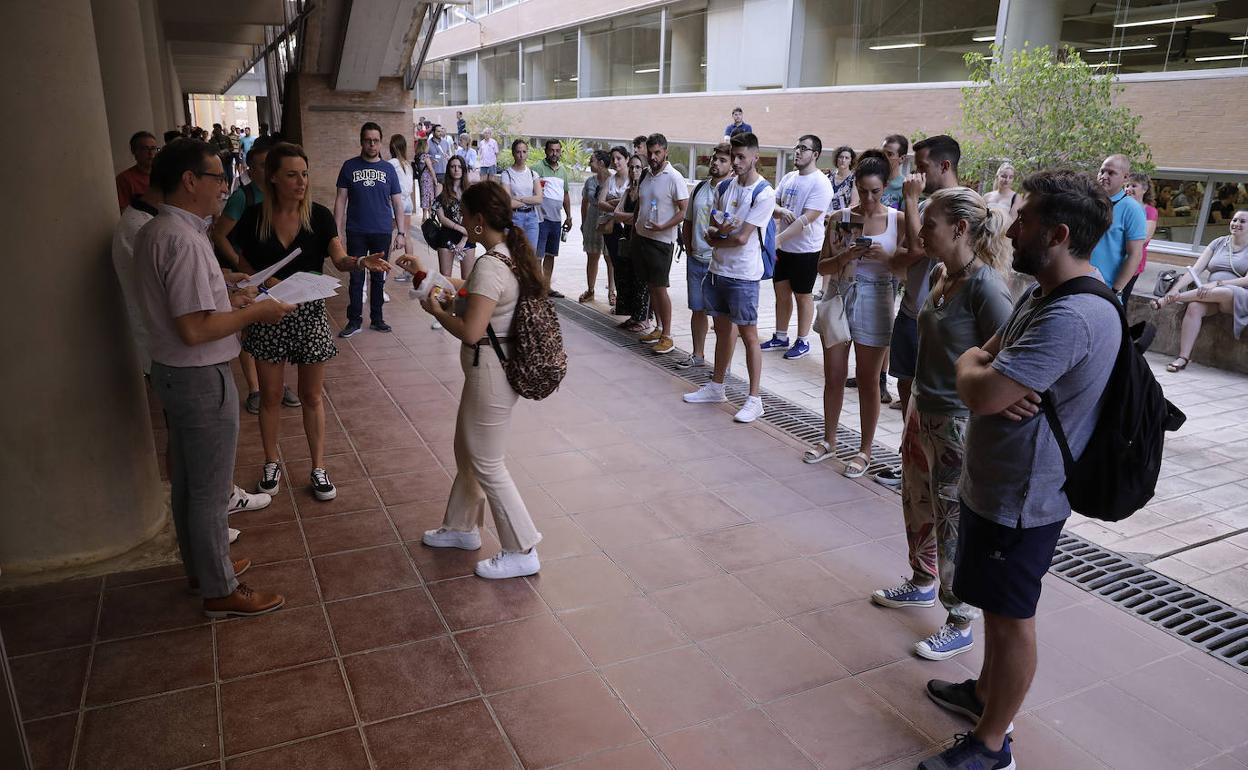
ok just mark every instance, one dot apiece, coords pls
pixel 733 129
pixel 247 142
pixel 1129 224
pixel 369 187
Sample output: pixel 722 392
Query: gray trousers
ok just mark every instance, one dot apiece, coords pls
pixel 201 410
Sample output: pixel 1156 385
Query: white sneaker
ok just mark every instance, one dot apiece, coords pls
pixel 509 564
pixel 241 500
pixel 385 297
pixel 452 538
pixel 752 410
pixel 710 393
pixel 234 533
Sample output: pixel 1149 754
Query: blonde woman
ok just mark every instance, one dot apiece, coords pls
pixel 1003 195
pixel 968 302
pixel 407 182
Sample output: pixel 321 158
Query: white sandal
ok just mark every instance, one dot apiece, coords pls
pixel 853 470
pixel 820 452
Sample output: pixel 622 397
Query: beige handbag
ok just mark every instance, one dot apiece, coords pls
pixel 831 319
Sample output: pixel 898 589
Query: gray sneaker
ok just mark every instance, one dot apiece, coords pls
pixel 960 698
pixel 690 361
pixel 253 402
pixel 289 398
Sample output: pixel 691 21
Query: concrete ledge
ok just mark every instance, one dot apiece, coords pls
pixel 1216 346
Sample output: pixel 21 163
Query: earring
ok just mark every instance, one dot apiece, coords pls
pixel 476 230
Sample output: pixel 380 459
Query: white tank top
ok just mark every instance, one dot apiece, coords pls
pixel 874 269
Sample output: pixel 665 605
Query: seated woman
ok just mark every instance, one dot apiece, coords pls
pixel 1225 291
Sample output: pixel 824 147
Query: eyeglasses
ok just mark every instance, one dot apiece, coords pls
pixel 801 148
pixel 149 148
pixel 222 178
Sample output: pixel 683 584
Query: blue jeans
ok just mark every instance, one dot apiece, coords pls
pixel 732 297
pixel 527 221
pixel 548 239
pixel 358 245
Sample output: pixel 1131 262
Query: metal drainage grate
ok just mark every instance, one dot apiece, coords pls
pixel 799 422
pixel 1197 619
pixel 1202 621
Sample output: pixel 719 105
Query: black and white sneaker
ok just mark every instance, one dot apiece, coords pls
pixel 270 478
pixel 889 477
pixel 322 487
pixel 350 330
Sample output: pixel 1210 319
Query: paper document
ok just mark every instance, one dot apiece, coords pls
pixel 1195 278
pixel 303 287
pixel 268 272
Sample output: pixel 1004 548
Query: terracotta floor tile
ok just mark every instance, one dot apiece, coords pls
pixel 380 620
pixel 844 726
pixel 352 496
pixel 664 563
pixel 470 602
pixel 343 467
pixel 591 494
pixel 270 543
pixel 342 751
pixel 461 736
pixel 581 580
pixel 396 436
pixel 744 741
pixel 148 608
pixel 520 653
pixel 348 531
pixel 738 548
pixel 858 634
pixel 564 466
pixel 278 640
pixel 48 591
pixel 378 412
pixel 562 537
pixel 713 606
pixel 535 443
pixel 413 487
pixel 447 563
pixel 537 501
pixel 621 629
pixel 414 519
pixel 696 512
pixel 387 462
pixel 674 689
pixel 773 661
pixel 282 706
pixel 1124 732
pixel 717 471
pixel 876 516
pixel 596 434
pixel 795 586
pixel 51 741
pixel 147 665
pixel 295 447
pixel 639 756
pixel 1205 704
pixel 153 574
pixel 904 686
pixel 1041 747
pixel 50 683
pixel 684 448
pixel 1084 633
pixel 292 579
pixel 763 498
pixel 624 525
pixel 812 532
pixel 412 677
pixel 166 731
pixel 563 720
pixel 48 625
pixel 828 489
pixel 1057 674
pixel 864 567
pixel 786 464
pixel 741 439
pixel 364 572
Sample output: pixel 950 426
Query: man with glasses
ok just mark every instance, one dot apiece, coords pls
pixel 368 208
pixel 134 181
pixel 803 197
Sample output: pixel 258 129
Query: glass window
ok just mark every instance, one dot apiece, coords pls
pixel 498 5
pixel 853 42
pixel 550 66
pixel 498 73
pixel 431 85
pixel 1179 202
pixel 1159 35
pixel 621 56
pixel 457 80
pixel 684 62
pixel 1226 197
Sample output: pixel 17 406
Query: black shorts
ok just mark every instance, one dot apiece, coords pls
pixel 798 268
pixel 652 260
pixel 999 568
pixel 903 347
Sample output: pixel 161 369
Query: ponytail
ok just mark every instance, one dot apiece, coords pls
pixel 986 225
pixel 491 201
pixel 990 243
pixel 532 279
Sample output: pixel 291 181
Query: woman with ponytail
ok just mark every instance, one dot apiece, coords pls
pixel 968 302
pixel 508 269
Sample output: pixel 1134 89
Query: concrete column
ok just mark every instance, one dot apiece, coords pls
pixel 178 110
pixel 153 46
pixel 123 66
pixel 1033 23
pixel 78 473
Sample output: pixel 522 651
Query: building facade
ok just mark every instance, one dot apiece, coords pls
pixel 851 71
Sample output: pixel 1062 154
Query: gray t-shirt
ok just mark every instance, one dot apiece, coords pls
pixel 699 213
pixel 1013 473
pixel 917 282
pixel 969 318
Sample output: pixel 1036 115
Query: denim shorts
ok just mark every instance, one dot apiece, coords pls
pixel 731 297
pixel 870 311
pixel 548 238
pixel 695 272
pixel 528 222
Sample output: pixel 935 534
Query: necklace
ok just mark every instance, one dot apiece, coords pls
pixel 952 280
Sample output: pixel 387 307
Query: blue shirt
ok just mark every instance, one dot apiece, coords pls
pixel 733 129
pixel 369 187
pixel 247 142
pixel 1129 224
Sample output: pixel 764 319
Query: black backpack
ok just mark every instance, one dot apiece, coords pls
pixel 1117 473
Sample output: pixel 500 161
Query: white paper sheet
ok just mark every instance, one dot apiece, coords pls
pixel 269 272
pixel 303 287
pixel 1195 278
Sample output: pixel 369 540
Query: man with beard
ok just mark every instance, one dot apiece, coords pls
pixel 1013 506
pixel 663 200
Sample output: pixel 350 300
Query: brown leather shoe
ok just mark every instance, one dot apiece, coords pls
pixel 240 566
pixel 244 602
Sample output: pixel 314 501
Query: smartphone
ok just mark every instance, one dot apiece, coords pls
pixel 864 242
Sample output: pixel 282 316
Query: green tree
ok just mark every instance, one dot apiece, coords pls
pixel 1040 111
pixel 503 120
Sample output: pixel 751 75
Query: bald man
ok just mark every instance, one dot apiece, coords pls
pixel 1117 255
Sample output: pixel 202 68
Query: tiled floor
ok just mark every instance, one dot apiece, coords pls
pixel 701 605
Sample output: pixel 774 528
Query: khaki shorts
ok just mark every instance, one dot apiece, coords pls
pixel 652 260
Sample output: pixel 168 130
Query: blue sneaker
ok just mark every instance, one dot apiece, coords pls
pixel 969 753
pixel 800 349
pixel 905 595
pixel 775 343
pixel 945 643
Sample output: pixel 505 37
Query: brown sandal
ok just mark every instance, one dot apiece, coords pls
pixel 586 297
pixel 1175 366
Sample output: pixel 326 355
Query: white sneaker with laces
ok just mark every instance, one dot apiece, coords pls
pixel 710 393
pixel 509 564
pixel 452 538
pixel 241 500
pixel 752 410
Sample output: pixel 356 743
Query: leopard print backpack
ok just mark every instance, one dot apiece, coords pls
pixel 538 362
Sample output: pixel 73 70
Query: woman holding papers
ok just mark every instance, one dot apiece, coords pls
pixel 268 232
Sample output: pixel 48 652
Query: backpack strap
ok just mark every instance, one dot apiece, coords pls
pixel 758 188
pixel 498 348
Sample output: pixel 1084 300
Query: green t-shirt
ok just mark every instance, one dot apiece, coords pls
pixel 237 203
pixel 554 183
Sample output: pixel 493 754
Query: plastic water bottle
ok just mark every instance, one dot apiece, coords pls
pixel 654 214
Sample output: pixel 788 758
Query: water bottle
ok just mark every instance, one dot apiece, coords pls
pixel 654 214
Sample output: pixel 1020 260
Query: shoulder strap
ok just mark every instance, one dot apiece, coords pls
pixel 698 188
pixel 758 188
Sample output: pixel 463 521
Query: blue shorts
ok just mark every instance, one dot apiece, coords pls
pixel 1000 569
pixel 731 297
pixel 548 238
pixel 903 348
pixel 695 272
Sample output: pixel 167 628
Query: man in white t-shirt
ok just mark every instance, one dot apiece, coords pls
pixel 803 197
pixel 730 291
pixel 664 196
